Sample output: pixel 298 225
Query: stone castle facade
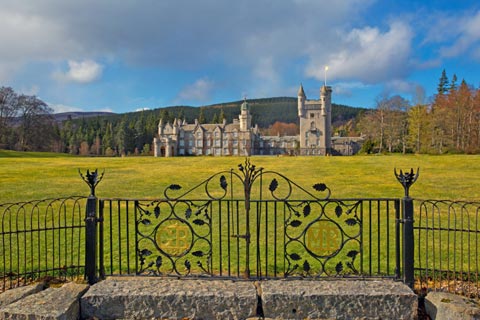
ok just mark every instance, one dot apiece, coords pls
pixel 241 139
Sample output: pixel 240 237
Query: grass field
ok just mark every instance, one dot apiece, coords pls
pixel 27 176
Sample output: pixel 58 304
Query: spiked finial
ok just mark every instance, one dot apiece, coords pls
pixel 92 179
pixel 407 179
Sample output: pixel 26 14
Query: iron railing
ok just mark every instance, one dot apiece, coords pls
pixel 41 238
pixel 447 236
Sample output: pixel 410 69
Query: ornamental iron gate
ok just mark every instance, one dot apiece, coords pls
pixel 250 223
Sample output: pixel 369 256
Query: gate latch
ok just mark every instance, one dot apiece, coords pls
pixel 241 236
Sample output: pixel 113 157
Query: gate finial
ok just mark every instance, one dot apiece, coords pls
pixel 92 179
pixel 407 179
pixel 250 172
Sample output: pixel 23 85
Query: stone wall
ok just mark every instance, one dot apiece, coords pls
pixel 160 298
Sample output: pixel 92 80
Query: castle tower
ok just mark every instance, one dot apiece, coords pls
pixel 315 123
pixel 245 117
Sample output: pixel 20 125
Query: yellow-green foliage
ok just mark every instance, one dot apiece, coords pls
pixel 36 175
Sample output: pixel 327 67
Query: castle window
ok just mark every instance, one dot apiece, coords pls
pixel 312 115
pixel 199 134
pixel 216 134
pixel 182 143
pixel 312 126
pixel 217 143
pixel 235 134
pixel 199 143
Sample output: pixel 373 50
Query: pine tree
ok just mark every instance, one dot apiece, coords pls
pixel 201 117
pixel 222 115
pixel 453 84
pixel 442 84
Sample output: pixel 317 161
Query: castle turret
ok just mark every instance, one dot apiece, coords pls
pixel 175 126
pixel 326 103
pixel 245 117
pixel 160 127
pixel 301 101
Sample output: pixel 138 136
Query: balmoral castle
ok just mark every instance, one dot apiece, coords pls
pixel 241 139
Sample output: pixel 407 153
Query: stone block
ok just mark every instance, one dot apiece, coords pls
pixel 13 295
pixel 338 299
pixel 50 304
pixel 160 298
pixel 448 306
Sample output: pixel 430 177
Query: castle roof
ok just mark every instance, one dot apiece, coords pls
pixel 301 93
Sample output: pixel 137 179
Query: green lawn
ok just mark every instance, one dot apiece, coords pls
pixel 37 175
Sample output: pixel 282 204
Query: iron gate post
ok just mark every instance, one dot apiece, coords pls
pixel 408 242
pixel 91 179
pixel 91 240
pixel 407 179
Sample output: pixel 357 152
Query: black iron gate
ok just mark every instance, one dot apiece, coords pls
pixel 250 223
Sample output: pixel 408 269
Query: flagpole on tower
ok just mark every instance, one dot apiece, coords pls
pixel 326 68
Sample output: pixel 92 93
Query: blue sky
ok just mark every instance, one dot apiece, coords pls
pixel 120 56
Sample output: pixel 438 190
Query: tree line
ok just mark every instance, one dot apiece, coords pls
pixel 448 124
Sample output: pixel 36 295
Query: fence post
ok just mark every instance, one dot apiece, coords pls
pixel 408 242
pixel 92 179
pixel 407 179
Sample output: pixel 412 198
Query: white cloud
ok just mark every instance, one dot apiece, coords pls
pixel 368 55
pixel 199 91
pixel 467 36
pixel 347 89
pixel 60 108
pixel 80 71
pixel 265 69
pixel 31 91
pixel 401 86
